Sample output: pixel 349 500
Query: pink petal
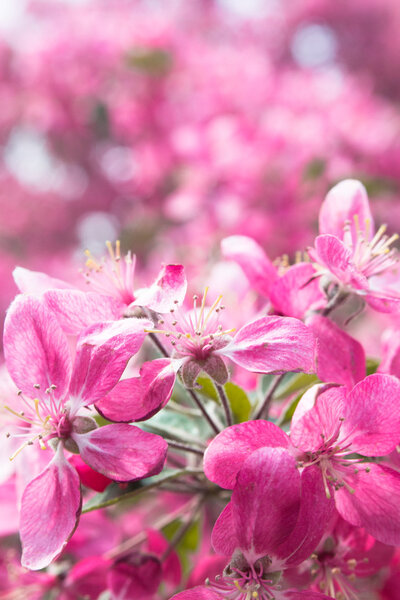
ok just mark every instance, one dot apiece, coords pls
pixel 332 254
pixel 297 291
pixel 87 578
pixel 227 452
pixel 273 345
pixel 265 501
pixel 136 576
pixel 208 566
pixel 347 199
pixel 372 415
pixel 91 479
pixel 77 310
pixel 122 452
pixel 318 417
pixel 139 398
pixel 256 265
pixel 224 539
pixel 102 354
pixel 383 301
pixel 316 510
pixel 340 358
pixel 36 349
pixel 374 504
pixel 168 289
pixel 171 566
pixel 304 595
pixel 9 516
pixel 50 509
pixel 390 353
pixel 35 282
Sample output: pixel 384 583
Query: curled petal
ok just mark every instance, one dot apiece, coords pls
pixel 273 345
pixel 227 452
pixel 168 289
pixel 122 452
pixel 224 539
pixel 139 398
pixel 201 592
pixel 35 282
pixel 102 354
pixel 50 508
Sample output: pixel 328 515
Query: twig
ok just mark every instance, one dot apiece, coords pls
pixel 225 404
pixel 264 408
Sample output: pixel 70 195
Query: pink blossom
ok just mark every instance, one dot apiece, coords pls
pixel 54 393
pixel 348 253
pixel 269 525
pixel 200 343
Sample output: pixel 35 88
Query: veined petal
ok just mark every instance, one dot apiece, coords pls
pixel 297 291
pixel 273 345
pixel 36 349
pixel 265 502
pixel 223 538
pixel 374 503
pixel 372 415
pixel 168 289
pixel 340 358
pixel 77 310
pixel 318 417
pixel 139 398
pixel 331 253
pixel 249 255
pixel 227 452
pixel 50 509
pixel 122 452
pixel 347 199
pixel 102 354
pixel 35 282
pixel 135 576
pixel 316 510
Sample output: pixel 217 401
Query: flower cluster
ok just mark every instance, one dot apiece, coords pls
pixel 147 429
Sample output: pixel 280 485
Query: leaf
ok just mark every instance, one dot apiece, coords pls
pixel 153 61
pixel 237 397
pixel 297 382
pixel 177 426
pixel 189 542
pixel 116 493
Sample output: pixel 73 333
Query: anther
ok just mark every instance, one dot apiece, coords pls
pixel 174 323
pixel 22 413
pixel 176 301
pixel 36 386
pixel 8 435
pixel 53 387
pixel 352 563
pixel 19 393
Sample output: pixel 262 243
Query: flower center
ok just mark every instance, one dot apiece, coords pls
pixel 374 256
pixel 195 333
pixel 114 275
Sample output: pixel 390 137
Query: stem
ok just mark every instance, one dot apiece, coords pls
pixel 225 404
pixel 265 406
pixel 186 525
pixel 198 402
pixel 159 345
pixel 163 351
pixel 184 446
pixel 334 302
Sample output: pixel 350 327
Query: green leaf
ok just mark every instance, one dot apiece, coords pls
pixel 239 402
pixel 315 168
pixel 207 388
pixel 177 426
pixel 189 542
pixel 299 381
pixel 114 493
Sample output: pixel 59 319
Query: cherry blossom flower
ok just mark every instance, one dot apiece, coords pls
pixel 54 393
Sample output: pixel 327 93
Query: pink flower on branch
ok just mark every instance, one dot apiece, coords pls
pixel 348 252
pixel 198 342
pixel 272 523
pixel 54 393
pixel 332 429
